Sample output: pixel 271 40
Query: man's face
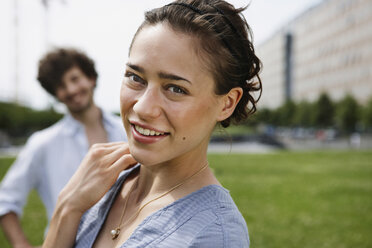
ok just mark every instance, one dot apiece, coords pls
pixel 76 90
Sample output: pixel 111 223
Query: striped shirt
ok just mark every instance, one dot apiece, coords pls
pixel 205 218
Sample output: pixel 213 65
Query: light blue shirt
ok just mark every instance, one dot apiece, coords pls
pixel 48 160
pixel 205 218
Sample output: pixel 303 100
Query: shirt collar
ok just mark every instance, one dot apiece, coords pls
pixel 71 125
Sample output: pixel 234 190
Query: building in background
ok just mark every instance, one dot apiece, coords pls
pixel 327 49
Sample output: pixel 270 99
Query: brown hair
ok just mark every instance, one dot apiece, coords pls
pixel 57 62
pixel 225 40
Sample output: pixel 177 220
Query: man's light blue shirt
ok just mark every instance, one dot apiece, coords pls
pixel 48 160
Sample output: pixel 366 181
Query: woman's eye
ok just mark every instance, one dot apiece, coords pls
pixel 133 77
pixel 176 89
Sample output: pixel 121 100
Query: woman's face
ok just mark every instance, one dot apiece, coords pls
pixel 168 104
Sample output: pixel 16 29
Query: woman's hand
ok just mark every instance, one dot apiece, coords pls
pixel 96 174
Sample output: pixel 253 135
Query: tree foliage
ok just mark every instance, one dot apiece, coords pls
pixel 303 115
pixel 17 120
pixel 344 115
pixel 287 111
pixel 323 115
pixel 347 114
pixel 367 115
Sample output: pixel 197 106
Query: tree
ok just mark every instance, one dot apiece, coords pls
pixel 17 120
pixel 286 113
pixel 302 116
pixel 347 114
pixel 323 112
pixel 367 115
pixel 263 115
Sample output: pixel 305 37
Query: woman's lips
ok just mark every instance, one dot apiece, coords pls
pixel 147 132
pixel 145 135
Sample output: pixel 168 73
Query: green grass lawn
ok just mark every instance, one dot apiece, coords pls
pixel 34 217
pixel 307 199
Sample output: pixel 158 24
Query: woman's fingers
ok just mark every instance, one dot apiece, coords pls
pixel 107 153
pixel 110 144
pixel 97 173
pixel 115 154
pixel 106 148
pixel 124 162
pixel 104 155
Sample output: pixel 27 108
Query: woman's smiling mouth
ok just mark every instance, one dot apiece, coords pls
pixel 147 132
pixel 147 135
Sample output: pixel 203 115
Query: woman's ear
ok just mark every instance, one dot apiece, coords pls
pixel 229 102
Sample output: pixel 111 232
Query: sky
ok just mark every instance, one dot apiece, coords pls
pixel 102 29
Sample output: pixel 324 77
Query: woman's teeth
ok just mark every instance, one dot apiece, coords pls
pixel 147 132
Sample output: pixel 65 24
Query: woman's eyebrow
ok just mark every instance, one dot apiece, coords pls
pixel 165 75
pixel 135 67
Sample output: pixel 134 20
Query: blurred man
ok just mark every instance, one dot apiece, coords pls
pixel 51 156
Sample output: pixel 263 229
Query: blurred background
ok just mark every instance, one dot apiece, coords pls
pixel 300 167
pixel 316 56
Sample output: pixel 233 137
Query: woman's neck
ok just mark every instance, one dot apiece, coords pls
pixel 158 179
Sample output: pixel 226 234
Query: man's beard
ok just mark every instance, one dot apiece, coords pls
pixel 81 109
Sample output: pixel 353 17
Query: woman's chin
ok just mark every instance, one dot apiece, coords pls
pixel 142 159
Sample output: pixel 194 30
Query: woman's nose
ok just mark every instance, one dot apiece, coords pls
pixel 148 105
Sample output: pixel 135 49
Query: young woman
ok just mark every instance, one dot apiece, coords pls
pixel 191 67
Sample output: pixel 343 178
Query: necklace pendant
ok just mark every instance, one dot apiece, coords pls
pixel 115 233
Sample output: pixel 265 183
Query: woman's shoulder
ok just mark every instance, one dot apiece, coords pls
pixel 214 198
pixel 207 216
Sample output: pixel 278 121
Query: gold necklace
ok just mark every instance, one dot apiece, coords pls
pixel 115 232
